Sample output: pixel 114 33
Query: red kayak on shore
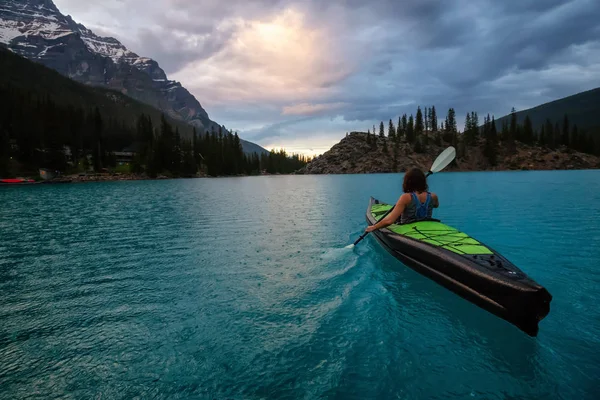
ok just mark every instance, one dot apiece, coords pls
pixel 15 181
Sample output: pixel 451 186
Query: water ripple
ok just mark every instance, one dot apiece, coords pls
pixel 241 288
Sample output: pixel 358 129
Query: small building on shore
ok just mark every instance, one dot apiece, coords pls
pixel 127 154
pixel 123 157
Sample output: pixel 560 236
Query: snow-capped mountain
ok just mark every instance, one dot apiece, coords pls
pixel 37 30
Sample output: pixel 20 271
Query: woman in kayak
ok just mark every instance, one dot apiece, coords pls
pixel 414 205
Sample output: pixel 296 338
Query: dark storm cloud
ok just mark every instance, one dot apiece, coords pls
pixel 482 55
pixel 528 5
pixel 274 130
pixel 173 52
pixel 477 48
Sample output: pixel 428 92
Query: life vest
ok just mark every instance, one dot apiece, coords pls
pixel 421 209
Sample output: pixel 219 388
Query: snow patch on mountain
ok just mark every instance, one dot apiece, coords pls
pixel 47 28
pixel 142 60
pixel 116 52
pixel 8 31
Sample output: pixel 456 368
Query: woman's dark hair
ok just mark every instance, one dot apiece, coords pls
pixel 414 181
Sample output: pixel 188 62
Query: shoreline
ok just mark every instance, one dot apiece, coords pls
pixel 458 171
pixel 118 178
pixel 130 177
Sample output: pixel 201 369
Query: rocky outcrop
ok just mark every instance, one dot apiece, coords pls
pixel 353 155
pixel 35 29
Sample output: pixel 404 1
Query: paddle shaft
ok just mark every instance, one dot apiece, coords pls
pixel 384 215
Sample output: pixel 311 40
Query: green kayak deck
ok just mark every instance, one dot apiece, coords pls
pixel 434 233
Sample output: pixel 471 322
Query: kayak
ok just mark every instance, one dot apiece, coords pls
pixel 465 266
pixel 16 181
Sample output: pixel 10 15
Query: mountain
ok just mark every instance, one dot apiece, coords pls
pixel 50 121
pixel 36 29
pixel 19 73
pixel 583 109
pixel 355 155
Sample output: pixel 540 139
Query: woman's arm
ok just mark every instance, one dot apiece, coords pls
pixel 435 200
pixel 391 217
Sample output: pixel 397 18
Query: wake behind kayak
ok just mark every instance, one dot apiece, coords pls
pixel 465 266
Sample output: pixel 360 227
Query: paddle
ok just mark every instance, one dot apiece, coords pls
pixel 439 164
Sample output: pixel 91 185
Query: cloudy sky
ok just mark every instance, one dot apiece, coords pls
pixel 299 74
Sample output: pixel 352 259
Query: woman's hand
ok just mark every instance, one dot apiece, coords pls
pixel 370 228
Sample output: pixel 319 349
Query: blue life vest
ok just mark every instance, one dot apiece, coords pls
pixel 421 208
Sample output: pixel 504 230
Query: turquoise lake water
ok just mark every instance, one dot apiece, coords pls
pixel 239 288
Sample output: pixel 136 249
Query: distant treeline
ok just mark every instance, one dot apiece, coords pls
pixel 36 132
pixel 424 129
pixel 220 153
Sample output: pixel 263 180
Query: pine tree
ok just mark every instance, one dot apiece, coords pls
pixel 447 132
pixel 450 131
pixel 429 119
pixel 469 130
pixel 575 140
pixel 542 141
pixel 392 131
pixel 188 163
pixel 219 151
pixel 405 127
pixel 177 154
pixel 410 130
pixel 565 131
pixel 527 131
pixel 368 136
pixel 451 122
pixel 490 149
pixel 512 132
pixel 475 124
pixel 76 132
pixel 196 148
pixel 504 131
pixel 419 122
pixel 238 154
pixel 486 125
pixel 165 147
pixel 381 130
pixel 549 132
pixel 98 154
pixel 434 121
pixel 399 133
pixel 4 152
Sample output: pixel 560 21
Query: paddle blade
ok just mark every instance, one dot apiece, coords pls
pixel 443 159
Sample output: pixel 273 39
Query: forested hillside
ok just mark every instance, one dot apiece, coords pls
pixel 582 109
pixel 53 122
pixel 488 146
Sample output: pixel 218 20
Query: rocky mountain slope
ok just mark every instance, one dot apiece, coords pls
pixel 353 155
pixel 37 30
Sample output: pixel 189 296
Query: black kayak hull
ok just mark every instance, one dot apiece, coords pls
pixel 503 290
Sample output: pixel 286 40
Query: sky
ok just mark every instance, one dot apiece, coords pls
pixel 299 74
